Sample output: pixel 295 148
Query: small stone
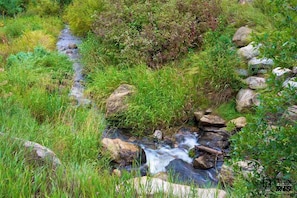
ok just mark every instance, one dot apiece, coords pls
pixel 158 135
pixel 72 46
pixel 213 120
pixel 242 72
pixel 208 111
pixel 294 70
pixel 198 115
pixel 256 82
pixel 239 122
pixel 117 172
pixel 204 162
pixel 292 82
pixel 281 73
pixel 242 36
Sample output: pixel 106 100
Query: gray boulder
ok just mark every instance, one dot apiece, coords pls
pixel 257 64
pixel 241 37
pixel 245 99
pixel 116 102
pixel 256 82
pixel 249 51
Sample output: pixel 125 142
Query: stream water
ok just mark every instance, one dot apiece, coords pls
pixel 163 157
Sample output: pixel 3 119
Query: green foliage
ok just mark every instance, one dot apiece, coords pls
pixel 154 32
pixel 80 15
pixel 214 68
pixel 161 97
pixel 12 7
pixel 43 7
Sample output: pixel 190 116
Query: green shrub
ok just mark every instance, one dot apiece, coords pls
pixel 154 32
pixel 80 15
pixel 43 7
pixel 12 7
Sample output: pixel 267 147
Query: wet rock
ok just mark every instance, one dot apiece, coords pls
pixel 72 46
pixel 292 82
pixel 116 102
pixel 149 187
pixel 249 51
pixel 158 135
pixel 198 115
pixel 205 161
pixel 212 120
pixel 282 73
pixel 256 82
pixel 123 153
pixel 242 36
pixel 184 172
pixel 245 99
pixel 257 64
pixel 214 140
pixel 291 114
pixel 239 122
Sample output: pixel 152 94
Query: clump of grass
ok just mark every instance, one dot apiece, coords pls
pixel 161 96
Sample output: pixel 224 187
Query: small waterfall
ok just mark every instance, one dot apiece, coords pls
pixel 158 159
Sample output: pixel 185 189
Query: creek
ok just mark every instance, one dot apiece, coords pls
pixel 161 156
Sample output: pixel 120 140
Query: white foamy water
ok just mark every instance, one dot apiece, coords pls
pixel 157 160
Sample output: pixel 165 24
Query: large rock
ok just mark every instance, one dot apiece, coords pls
pixel 245 99
pixel 116 102
pixel 37 154
pixel 214 140
pixel 256 65
pixel 123 153
pixel 256 82
pixel 242 36
pixel 149 187
pixel 186 173
pixel 41 153
pixel 212 120
pixel 249 51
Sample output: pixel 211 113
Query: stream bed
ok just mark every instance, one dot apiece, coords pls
pixel 161 156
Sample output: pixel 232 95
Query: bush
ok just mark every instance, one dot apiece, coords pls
pixel 43 7
pixel 12 7
pixel 154 32
pixel 80 15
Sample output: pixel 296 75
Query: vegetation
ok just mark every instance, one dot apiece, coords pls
pixel 179 57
